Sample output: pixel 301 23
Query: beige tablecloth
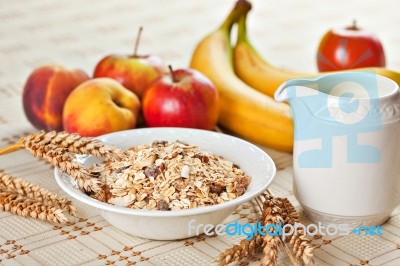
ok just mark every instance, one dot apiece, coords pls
pixel 77 33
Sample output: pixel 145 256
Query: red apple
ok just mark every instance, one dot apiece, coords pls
pixel 350 47
pixel 182 98
pixel 135 72
pixel 45 93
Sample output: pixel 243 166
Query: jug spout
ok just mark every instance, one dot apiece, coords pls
pixel 281 94
pixel 296 88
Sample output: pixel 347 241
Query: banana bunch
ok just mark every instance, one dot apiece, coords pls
pixel 247 83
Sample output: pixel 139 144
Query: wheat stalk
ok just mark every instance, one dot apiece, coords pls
pixel 66 162
pixel 72 143
pixel 9 183
pixel 274 210
pixel 246 248
pixel 60 148
pixel 266 196
pixel 26 199
pixel 268 244
pixel 83 177
pixel 301 245
pixel 270 250
pixel 20 205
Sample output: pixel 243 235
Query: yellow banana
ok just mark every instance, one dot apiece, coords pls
pixel 243 110
pixel 256 72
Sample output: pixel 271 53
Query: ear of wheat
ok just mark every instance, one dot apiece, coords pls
pixel 17 204
pixel 59 149
pixel 245 249
pixel 65 161
pixel 268 244
pixel 72 143
pixel 301 245
pixel 275 210
pixel 35 192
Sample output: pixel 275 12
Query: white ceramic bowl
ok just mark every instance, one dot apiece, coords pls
pixel 169 225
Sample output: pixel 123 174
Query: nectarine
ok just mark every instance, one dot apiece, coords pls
pixel 100 106
pixel 45 93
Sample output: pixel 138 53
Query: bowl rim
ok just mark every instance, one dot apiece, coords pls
pixel 80 196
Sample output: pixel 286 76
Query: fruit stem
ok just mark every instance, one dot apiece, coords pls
pixel 12 148
pixel 354 25
pixel 171 70
pixel 241 7
pixel 139 34
pixel 242 29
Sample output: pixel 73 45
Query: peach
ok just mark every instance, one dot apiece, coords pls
pixel 100 106
pixel 45 93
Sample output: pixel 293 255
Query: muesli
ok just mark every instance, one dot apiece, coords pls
pixel 169 176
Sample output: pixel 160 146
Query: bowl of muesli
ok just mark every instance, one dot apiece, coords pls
pixel 170 178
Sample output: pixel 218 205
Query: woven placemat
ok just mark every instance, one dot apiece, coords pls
pixel 78 33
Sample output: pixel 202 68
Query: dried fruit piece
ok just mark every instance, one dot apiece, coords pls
pixel 240 189
pixel 104 194
pixel 152 171
pixel 215 188
pixel 203 158
pixel 162 205
pixel 159 143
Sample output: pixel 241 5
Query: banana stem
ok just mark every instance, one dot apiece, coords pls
pixel 242 29
pixel 12 148
pixel 241 7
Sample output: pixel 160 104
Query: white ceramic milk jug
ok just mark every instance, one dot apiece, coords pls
pixel 346 157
